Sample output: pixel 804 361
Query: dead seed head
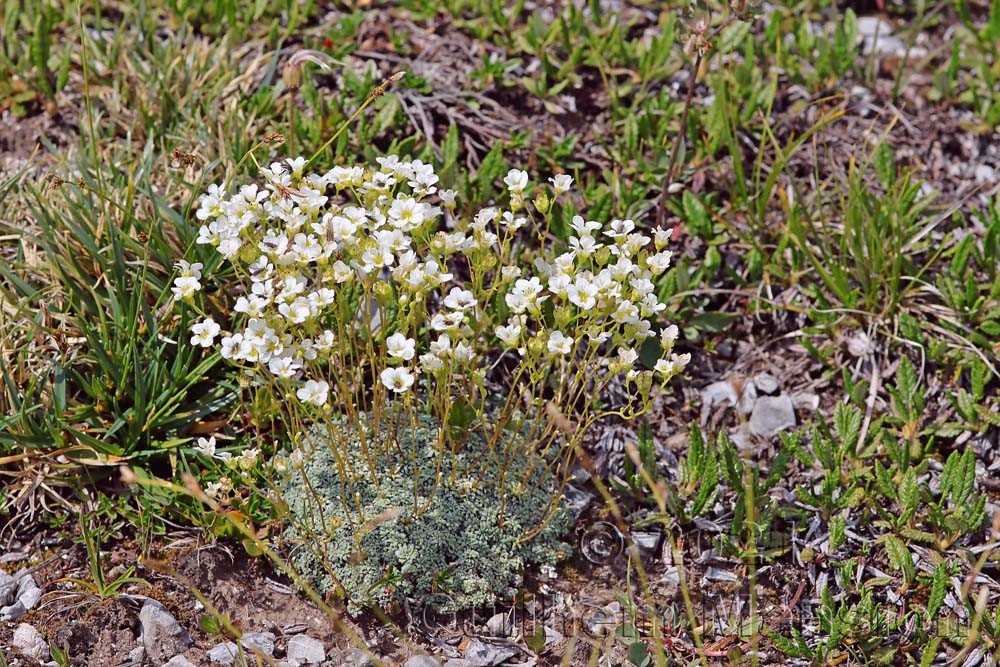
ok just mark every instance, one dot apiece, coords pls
pixel 292 73
pixel 379 90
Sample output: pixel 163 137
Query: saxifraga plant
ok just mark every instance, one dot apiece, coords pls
pixel 368 301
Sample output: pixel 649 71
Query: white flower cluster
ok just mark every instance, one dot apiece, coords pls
pixel 314 249
pixel 601 287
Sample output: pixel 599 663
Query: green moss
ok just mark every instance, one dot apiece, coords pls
pixel 453 553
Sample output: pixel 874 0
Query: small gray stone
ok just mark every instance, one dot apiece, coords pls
pixel 500 625
pixel 137 655
pixel 179 661
pixel 14 556
pixel 18 594
pixel 577 500
pixel 421 661
pixel 29 642
pixel 485 655
pixel 459 662
pixel 355 657
pixel 766 383
pixel 772 414
pixel 28 592
pixel 605 619
pixel 8 585
pixel 258 641
pixel 306 650
pixel 12 612
pixel 647 543
pixel 162 636
pixel 718 575
pixel 224 653
pixel 805 401
pixel 717 393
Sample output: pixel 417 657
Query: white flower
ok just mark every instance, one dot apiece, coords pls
pixel 314 391
pixel 442 346
pixel 585 245
pixel 561 183
pixel 431 363
pixel 511 223
pixel 664 367
pixel 283 367
pixel 206 446
pixel 460 299
pixel 510 272
pixel 627 355
pixel 486 216
pixel 516 180
pixel 559 343
pixel 598 337
pixel 193 270
pixel 446 321
pixel 211 204
pixel 668 336
pixel 342 272
pixel 448 198
pixel 583 293
pixel 463 353
pixel 204 332
pixel 398 380
pixel 584 227
pixel 509 333
pixel 406 213
pixel 517 302
pixel 297 312
pixel 659 262
pixel 559 284
pixel 661 237
pixel 620 228
pixel 400 347
pixel 185 287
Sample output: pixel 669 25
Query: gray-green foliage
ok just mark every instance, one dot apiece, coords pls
pixel 452 553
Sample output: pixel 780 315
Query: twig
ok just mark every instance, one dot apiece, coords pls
pixel 704 44
pixel 869 403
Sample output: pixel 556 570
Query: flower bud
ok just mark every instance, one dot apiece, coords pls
pixel 383 292
pixel 542 203
pixel 602 256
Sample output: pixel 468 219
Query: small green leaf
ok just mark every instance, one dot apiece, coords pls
pixel 732 36
pixel 909 491
pixel 638 654
pixel 712 322
pixel 210 624
pixel 847 425
pixel 930 652
pixel 695 215
pixel 490 168
pixel 449 149
pixel 885 164
pixel 838 528
pixel 535 640
pixel 939 587
pixel 993 27
pixel 899 556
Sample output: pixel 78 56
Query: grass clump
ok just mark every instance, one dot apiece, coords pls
pixel 450 545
